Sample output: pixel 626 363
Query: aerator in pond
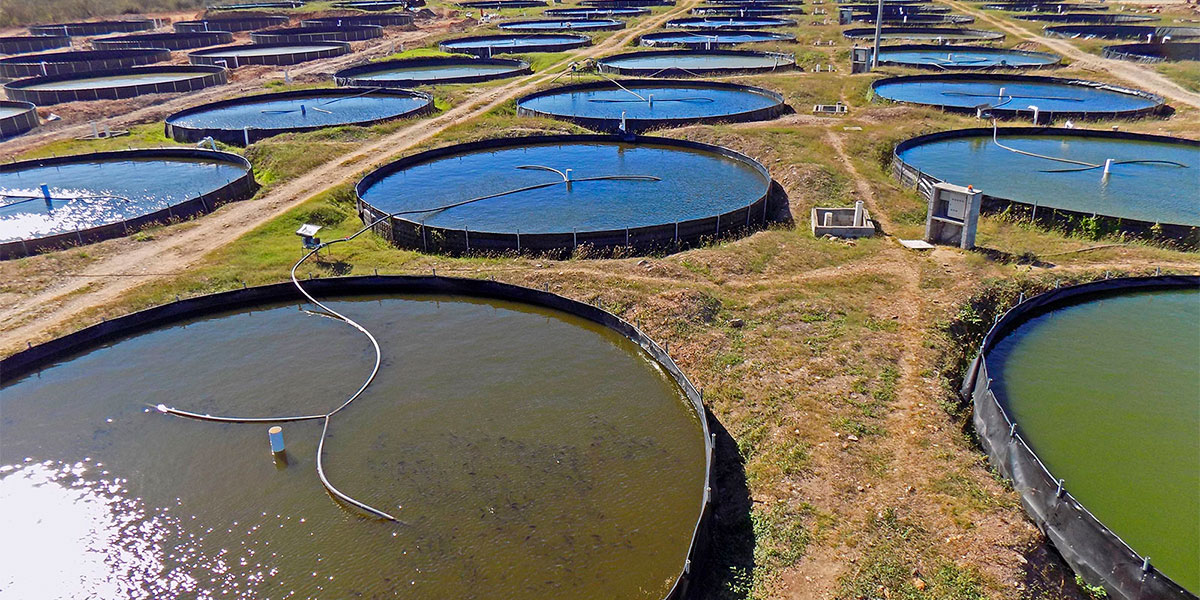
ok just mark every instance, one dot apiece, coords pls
pixel 635 105
pixel 1112 360
pixel 242 121
pixel 1131 181
pixel 554 194
pixel 489 45
pixel 1042 98
pixel 519 478
pixel 436 70
pixel 114 84
pixel 267 54
pixel 67 200
pixel 695 63
pixel 964 58
pixel 713 39
pixel 61 63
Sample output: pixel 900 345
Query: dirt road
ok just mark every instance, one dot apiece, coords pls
pixel 33 318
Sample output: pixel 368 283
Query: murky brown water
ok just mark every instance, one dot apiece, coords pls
pixel 531 454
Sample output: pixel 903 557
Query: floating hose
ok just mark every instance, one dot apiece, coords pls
pixel 680 99
pixel 333 314
pixel 1012 96
pixel 1086 165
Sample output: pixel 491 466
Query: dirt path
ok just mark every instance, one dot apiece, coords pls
pixel 107 280
pixel 1132 73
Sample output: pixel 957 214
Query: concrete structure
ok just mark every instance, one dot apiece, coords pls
pixel 842 222
pixel 953 215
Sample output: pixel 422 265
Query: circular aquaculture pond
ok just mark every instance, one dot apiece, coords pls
pixel 627 3
pixel 257 5
pixel 57 63
pixel 114 84
pixel 487 45
pixel 242 121
pixel 1119 366
pixel 1044 7
pixel 1086 17
pixel 377 5
pixel 751 12
pixel 563 25
pixel 16 118
pixel 22 44
pixel 166 41
pixel 635 105
pixel 925 34
pixel 595 13
pixel 892 9
pixel 411 72
pixel 1122 32
pixel 964 58
pixel 555 193
pixel 231 23
pixel 267 54
pixel 381 19
pixel 109 194
pixel 712 39
pixel 694 63
pixel 91 28
pixel 728 22
pixel 502 4
pixel 900 19
pixel 303 35
pixel 1149 53
pixel 1008 95
pixel 587 480
pixel 1152 178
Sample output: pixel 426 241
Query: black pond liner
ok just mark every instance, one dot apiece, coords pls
pixel 405 233
pixel 1057 62
pixel 1158 102
pixel 756 11
pixel 1152 53
pixel 635 125
pixel 24 120
pixel 784 62
pixel 553 43
pixel 1086 17
pixel 22 44
pixel 502 4
pixel 945 34
pixel 1047 7
pixel 238 137
pixel 899 19
pixel 712 39
pixel 90 28
pixel 295 35
pixel 591 13
pixel 360 76
pixel 1097 554
pixel 82 61
pixel 1188 236
pixel 95 336
pixel 1122 32
pixel 204 76
pixel 304 52
pixel 711 23
pixel 566 24
pixel 626 3
pixel 166 41
pixel 256 5
pixel 239 189
pixel 232 23
pixel 382 20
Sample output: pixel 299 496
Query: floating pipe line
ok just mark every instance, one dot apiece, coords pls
pixel 1086 165
pixel 333 314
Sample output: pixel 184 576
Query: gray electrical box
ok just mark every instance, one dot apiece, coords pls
pixel 953 215
pixel 860 60
pixel 845 16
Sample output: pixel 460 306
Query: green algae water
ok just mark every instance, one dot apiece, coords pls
pixel 1107 393
pixel 529 453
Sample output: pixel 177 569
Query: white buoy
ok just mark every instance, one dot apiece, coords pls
pixel 858 213
pixel 276 435
pixel 1001 95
